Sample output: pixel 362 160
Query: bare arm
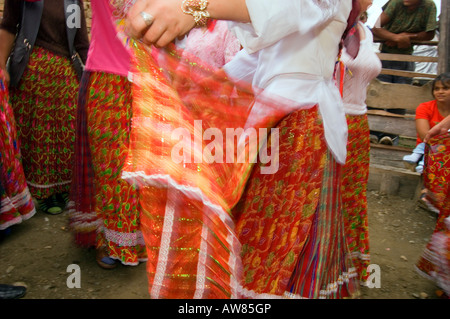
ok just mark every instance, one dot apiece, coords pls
pixel 421 36
pixel 391 39
pixel 422 128
pixel 438 129
pixel 401 40
pixel 169 21
pixel 380 32
pixel 6 45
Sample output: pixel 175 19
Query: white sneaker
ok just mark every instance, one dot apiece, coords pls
pixel 419 169
pixel 413 158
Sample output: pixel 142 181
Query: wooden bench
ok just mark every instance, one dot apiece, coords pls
pixel 388 174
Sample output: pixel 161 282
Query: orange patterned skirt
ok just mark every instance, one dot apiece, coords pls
pixel 186 218
pixel 290 223
pixel 16 204
pixel 355 176
pixel 188 197
pixel 435 260
pixel 104 211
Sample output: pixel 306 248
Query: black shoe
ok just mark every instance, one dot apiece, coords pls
pixel 51 205
pixel 12 292
pixel 5 233
pixel 62 199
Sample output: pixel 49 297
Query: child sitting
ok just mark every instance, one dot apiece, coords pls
pixel 429 114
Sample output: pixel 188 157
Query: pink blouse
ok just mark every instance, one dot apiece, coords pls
pixel 106 51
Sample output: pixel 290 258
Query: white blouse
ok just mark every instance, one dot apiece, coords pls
pixel 359 73
pixel 290 49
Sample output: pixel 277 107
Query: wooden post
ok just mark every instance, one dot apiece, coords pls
pixel 444 38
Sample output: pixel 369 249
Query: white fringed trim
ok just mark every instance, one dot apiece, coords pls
pixel 50 185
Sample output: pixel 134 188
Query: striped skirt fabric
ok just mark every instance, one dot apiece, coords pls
pixel 44 105
pixel 108 210
pixel 290 223
pixel 83 219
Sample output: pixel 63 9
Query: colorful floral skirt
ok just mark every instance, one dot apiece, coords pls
pixel 16 204
pixel 190 177
pixel 355 175
pixel 434 262
pixel 188 186
pixel 114 201
pixel 290 223
pixel 44 105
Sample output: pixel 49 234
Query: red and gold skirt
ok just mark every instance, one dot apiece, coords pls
pixel 435 260
pixel 16 204
pixel 44 105
pixel 188 196
pixel 355 175
pixel 291 224
pixel 108 210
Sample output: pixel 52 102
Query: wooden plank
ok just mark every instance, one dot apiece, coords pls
pixel 397 96
pixel 392 125
pixel 382 112
pixel 405 57
pixel 391 156
pixel 394 181
pixel 409 142
pixel 444 35
pixel 431 42
pixel 407 74
pixel 390 148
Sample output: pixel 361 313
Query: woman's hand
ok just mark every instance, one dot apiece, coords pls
pixel 438 129
pixel 166 22
pixel 159 22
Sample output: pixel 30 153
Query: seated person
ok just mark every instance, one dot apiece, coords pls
pixel 429 114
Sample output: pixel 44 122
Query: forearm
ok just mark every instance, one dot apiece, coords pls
pixel 234 10
pixel 422 128
pixel 421 36
pixel 383 34
pixel 438 129
pixel 445 123
pixel 159 22
pixel 6 45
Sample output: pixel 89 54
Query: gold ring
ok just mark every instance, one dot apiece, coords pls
pixel 148 18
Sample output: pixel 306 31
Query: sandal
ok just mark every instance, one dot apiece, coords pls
pixel 103 259
pixel 424 203
pixel 62 199
pixel 51 206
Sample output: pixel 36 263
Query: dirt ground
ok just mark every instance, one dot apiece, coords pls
pixel 38 252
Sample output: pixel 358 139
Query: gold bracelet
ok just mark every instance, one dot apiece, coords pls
pixel 197 9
